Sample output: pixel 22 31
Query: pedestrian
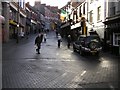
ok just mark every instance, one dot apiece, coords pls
pixel 22 34
pixel 69 41
pixel 45 37
pixel 59 40
pixel 38 41
pixel 56 33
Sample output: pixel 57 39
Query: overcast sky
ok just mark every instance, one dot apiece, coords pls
pixel 59 3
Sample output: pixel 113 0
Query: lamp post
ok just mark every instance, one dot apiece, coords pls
pixel 18 14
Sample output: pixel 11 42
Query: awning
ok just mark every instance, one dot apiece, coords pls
pixel 32 21
pixel 112 20
pixel 77 25
pixel 65 25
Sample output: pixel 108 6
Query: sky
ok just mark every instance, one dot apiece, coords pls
pixel 59 3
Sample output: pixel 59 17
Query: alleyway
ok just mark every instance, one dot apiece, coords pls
pixel 55 67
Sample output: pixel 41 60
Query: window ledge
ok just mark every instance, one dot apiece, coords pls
pixel 99 21
pixel 116 45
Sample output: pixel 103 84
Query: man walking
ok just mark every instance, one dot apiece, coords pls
pixel 38 41
pixel 45 37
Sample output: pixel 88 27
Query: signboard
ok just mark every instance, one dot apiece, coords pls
pixel 12 22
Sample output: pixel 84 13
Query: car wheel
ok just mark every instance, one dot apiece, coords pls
pixel 97 54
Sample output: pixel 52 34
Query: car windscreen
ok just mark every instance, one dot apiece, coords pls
pixel 96 38
pixel 81 38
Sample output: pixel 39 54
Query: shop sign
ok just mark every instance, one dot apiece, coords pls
pixel 12 22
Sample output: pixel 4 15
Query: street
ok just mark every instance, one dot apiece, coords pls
pixel 55 67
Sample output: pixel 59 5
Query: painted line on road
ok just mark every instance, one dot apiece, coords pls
pixel 64 74
pixel 83 73
pixel 112 88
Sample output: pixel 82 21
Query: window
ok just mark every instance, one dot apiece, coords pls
pixel 99 13
pixel 112 9
pixel 119 6
pixel 75 16
pixel 84 8
pixel 91 1
pixel 91 16
pixel 80 14
pixel 116 39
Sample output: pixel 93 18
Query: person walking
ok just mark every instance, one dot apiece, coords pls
pixel 59 40
pixel 45 37
pixel 69 41
pixel 38 41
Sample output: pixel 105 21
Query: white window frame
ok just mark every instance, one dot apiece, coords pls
pixel 99 13
pixel 116 38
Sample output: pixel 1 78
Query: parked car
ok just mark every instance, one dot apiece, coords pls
pixel 88 44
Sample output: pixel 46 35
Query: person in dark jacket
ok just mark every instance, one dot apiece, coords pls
pixel 38 41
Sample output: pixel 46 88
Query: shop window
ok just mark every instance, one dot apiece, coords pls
pixel 99 13
pixel 84 8
pixel 116 39
pixel 112 9
pixel 80 14
pixel 91 17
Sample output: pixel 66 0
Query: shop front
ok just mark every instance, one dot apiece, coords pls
pixel 75 31
pixel 12 29
pixel 112 36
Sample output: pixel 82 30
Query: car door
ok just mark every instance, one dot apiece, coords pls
pixel 78 42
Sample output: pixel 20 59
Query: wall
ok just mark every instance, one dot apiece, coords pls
pixel 97 25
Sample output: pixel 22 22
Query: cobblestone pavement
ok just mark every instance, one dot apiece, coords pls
pixel 56 67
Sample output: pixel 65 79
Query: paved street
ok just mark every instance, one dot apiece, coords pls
pixel 55 67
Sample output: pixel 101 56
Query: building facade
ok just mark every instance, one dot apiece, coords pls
pixel 49 16
pixel 47 19
pixel 15 18
pixel 41 9
pixel 112 30
pixel 5 26
pixel 66 21
pixel 96 16
pixel 77 16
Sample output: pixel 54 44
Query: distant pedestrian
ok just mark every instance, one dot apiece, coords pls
pixel 59 40
pixel 45 37
pixel 27 33
pixel 69 41
pixel 38 41
pixel 22 34
pixel 56 33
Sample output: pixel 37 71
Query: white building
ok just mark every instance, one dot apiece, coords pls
pixel 112 30
pixel 78 13
pixel 96 16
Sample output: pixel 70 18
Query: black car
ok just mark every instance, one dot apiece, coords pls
pixel 88 44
